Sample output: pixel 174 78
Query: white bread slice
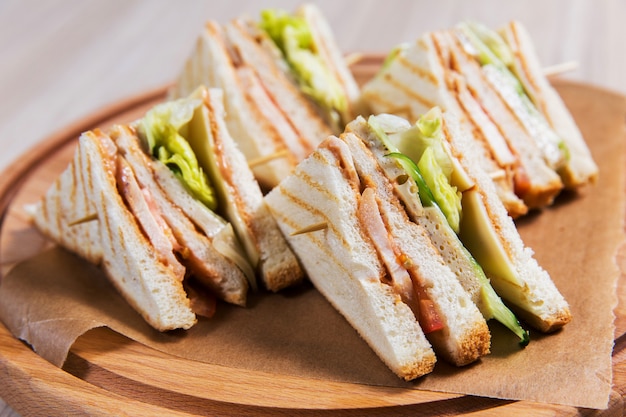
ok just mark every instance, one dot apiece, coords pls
pixel 342 262
pixel 260 131
pixel 544 183
pixel 113 240
pixel 419 78
pixel 580 169
pixel 254 47
pixel 207 265
pixel 465 336
pixel 242 200
pixel 65 213
pixel 537 300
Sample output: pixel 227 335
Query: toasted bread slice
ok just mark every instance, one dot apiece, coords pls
pixel 580 169
pixel 341 259
pixel 259 128
pixel 242 200
pixel 84 212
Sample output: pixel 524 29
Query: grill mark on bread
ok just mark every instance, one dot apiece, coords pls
pixel 397 84
pixel 312 236
pixel 305 177
pixel 106 226
pixel 315 213
pixel 417 70
pixel 421 43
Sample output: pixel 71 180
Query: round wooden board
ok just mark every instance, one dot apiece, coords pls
pixel 107 374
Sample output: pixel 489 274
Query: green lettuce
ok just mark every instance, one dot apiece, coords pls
pixel 164 128
pixel 423 143
pixel 293 37
pixel 448 199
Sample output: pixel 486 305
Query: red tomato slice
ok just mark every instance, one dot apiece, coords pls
pixel 521 182
pixel 428 317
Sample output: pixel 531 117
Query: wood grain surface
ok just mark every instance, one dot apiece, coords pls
pixel 107 374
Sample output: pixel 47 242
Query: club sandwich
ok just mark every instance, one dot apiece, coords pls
pixel 379 219
pixel 527 139
pixel 285 82
pixel 168 207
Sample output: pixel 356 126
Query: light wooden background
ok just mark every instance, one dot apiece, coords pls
pixel 61 60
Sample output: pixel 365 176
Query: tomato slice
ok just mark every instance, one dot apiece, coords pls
pixel 428 317
pixel 521 182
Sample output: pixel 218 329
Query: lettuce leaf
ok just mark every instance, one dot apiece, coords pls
pixel 164 128
pixel 446 195
pixel 423 143
pixel 293 37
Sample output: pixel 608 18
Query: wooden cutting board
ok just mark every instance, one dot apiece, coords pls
pixel 107 374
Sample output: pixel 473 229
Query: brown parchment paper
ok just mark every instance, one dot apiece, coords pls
pixel 53 298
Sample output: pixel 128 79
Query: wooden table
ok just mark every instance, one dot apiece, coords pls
pixel 61 60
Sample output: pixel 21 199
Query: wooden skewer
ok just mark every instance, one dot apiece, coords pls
pixel 560 68
pixel 267 158
pixel 87 218
pixel 353 58
pixel 312 228
pixel 496 175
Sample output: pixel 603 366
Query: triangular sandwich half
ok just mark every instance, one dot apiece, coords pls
pixel 286 84
pixel 528 141
pixel 381 270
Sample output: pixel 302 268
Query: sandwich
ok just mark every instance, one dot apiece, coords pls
pixel 168 208
pixel 527 139
pixel 286 85
pixel 383 238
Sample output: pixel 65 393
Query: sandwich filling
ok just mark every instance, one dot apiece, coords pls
pixel 164 128
pixel 293 37
pixel 440 187
pixel 140 202
pixel 403 276
pixel 171 133
pixel 496 59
